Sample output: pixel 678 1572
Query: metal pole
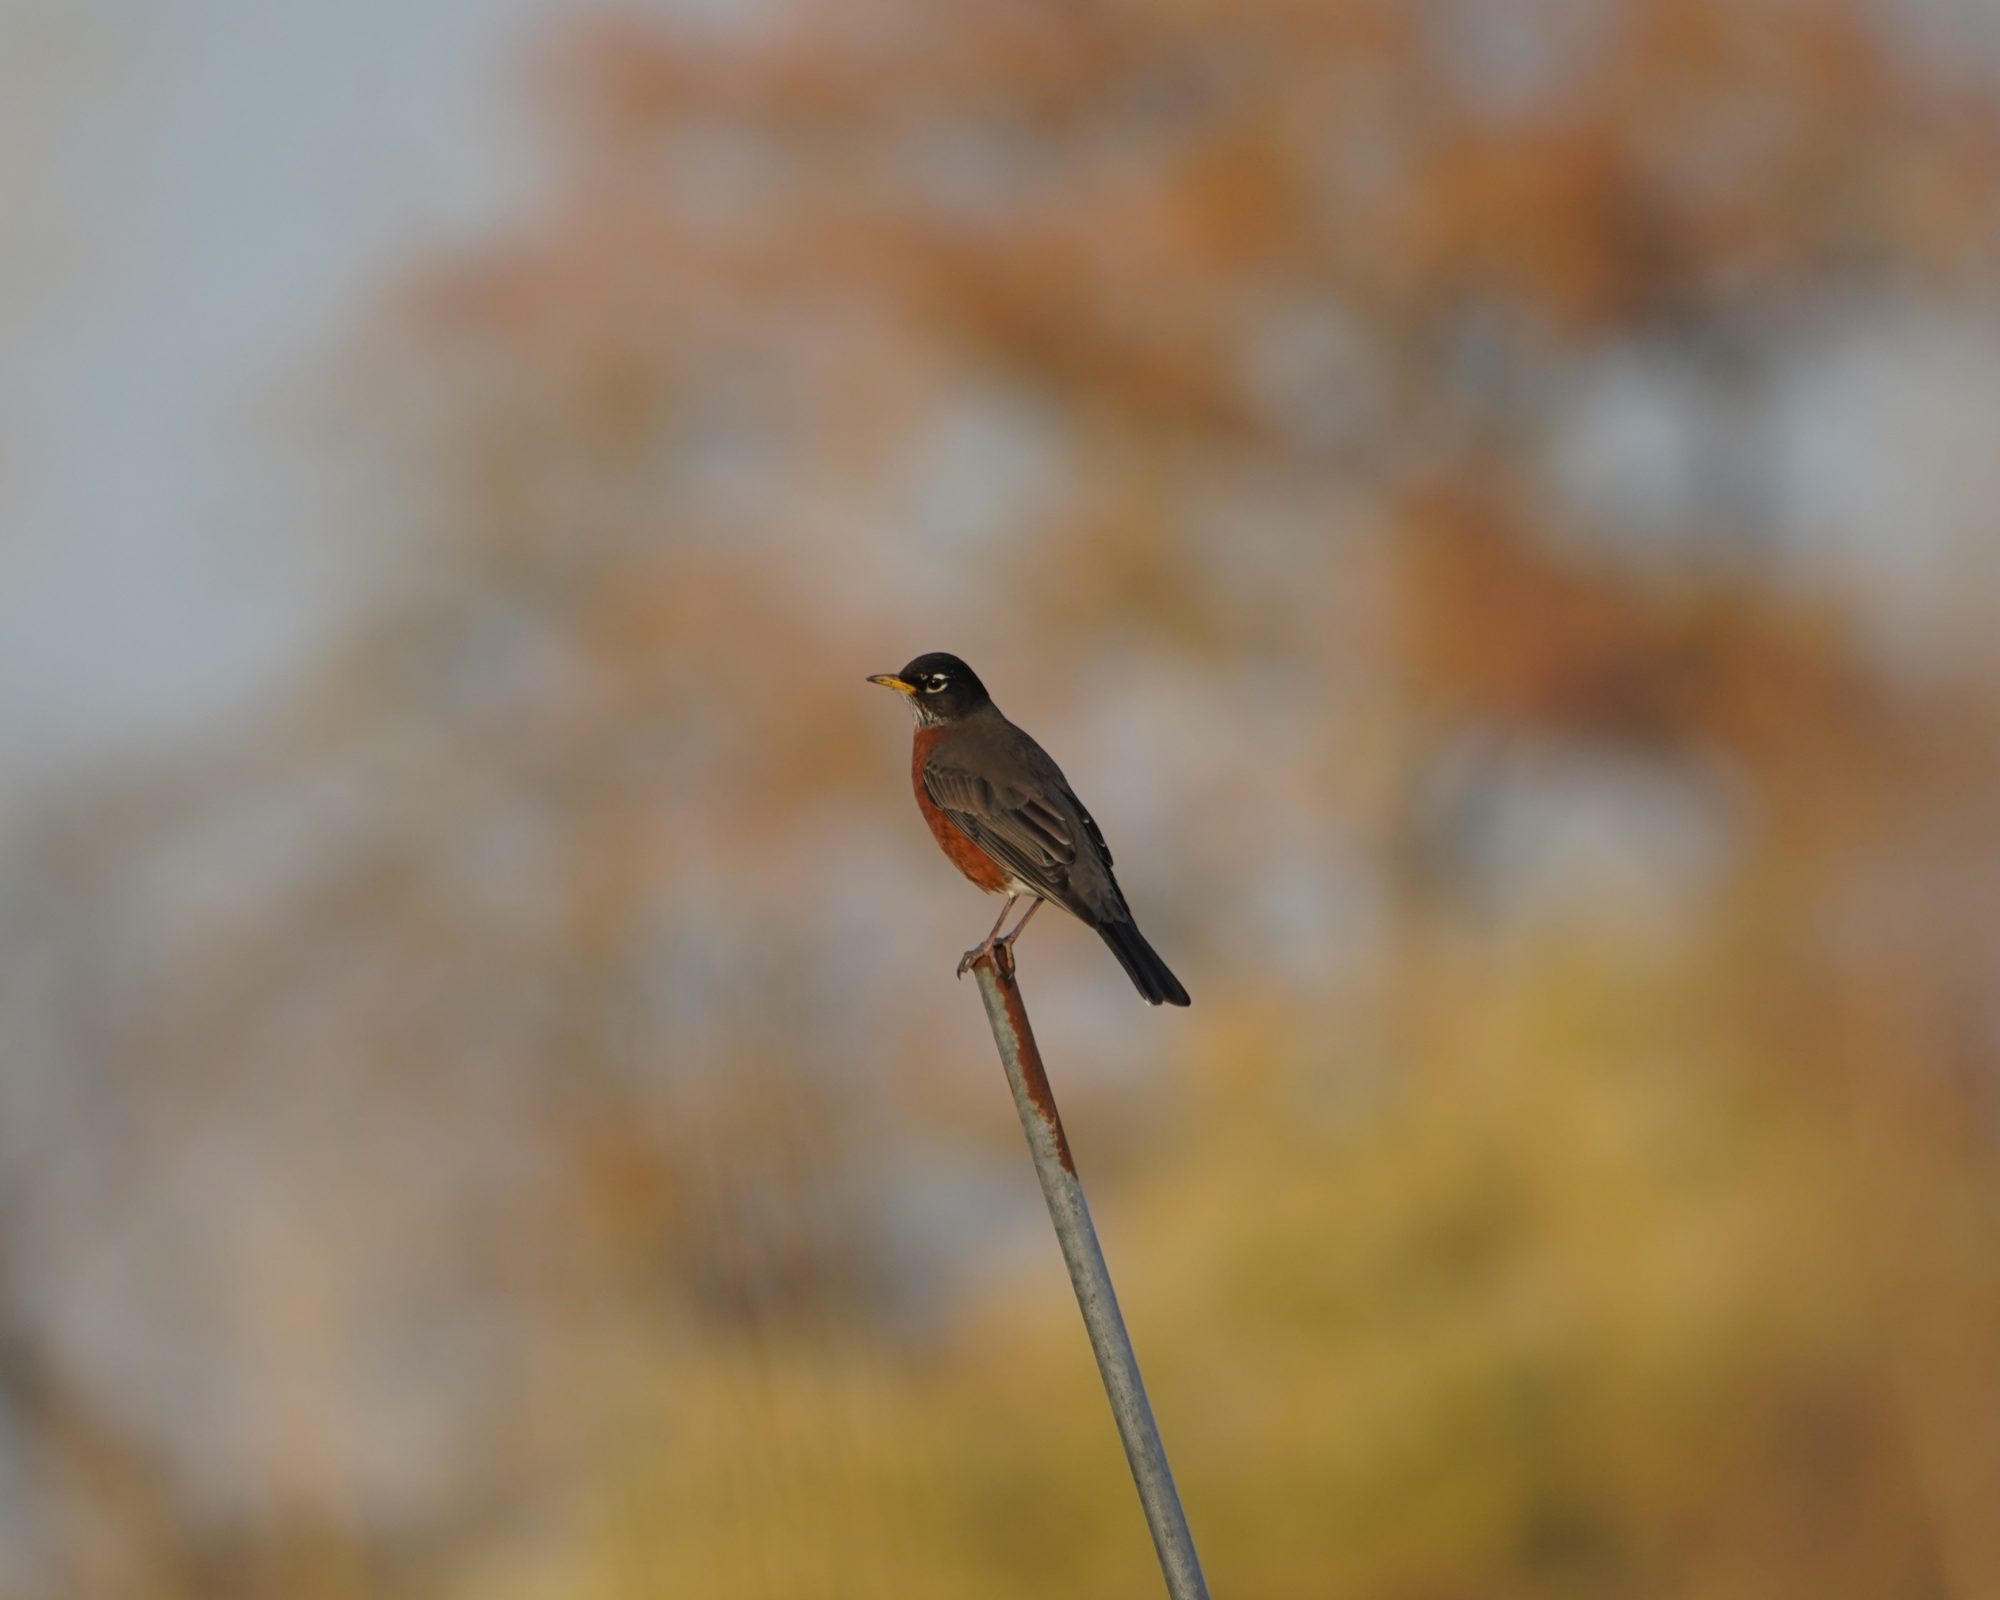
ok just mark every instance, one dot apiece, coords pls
pixel 1088 1274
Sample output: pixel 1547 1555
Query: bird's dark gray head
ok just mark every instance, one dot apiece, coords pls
pixel 940 687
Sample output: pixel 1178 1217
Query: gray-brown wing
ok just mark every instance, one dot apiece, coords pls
pixel 1038 830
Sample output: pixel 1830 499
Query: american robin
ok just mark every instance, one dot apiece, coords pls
pixel 1008 819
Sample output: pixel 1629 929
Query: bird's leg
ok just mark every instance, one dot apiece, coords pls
pixel 1009 940
pixel 1003 950
pixel 985 945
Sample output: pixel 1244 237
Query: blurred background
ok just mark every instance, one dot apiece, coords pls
pixel 1492 502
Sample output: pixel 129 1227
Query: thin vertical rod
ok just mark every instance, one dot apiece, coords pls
pixel 1088 1275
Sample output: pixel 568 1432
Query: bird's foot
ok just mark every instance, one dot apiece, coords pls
pixel 975 955
pixel 1002 952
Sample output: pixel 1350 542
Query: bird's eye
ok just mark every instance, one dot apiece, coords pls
pixel 935 682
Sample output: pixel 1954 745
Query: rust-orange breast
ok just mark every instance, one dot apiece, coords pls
pixel 974 862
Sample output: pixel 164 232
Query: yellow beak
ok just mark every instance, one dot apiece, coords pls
pixel 889 680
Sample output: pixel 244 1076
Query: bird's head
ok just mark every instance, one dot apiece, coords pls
pixel 939 687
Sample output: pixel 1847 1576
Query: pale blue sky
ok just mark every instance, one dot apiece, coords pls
pixel 203 195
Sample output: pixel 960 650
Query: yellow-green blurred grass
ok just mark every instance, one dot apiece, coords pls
pixel 1593 1297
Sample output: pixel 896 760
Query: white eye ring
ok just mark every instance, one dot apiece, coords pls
pixel 935 682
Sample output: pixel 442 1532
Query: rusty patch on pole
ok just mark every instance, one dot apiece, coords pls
pixel 1033 1074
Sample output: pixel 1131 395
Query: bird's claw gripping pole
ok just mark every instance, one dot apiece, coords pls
pixel 1088 1274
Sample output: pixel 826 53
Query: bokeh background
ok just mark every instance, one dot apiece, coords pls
pixel 1492 501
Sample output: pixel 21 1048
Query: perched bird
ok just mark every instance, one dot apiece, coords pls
pixel 1008 819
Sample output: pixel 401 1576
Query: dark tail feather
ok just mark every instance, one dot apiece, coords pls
pixel 1147 971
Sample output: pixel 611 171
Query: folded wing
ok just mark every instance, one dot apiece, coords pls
pixel 1042 835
